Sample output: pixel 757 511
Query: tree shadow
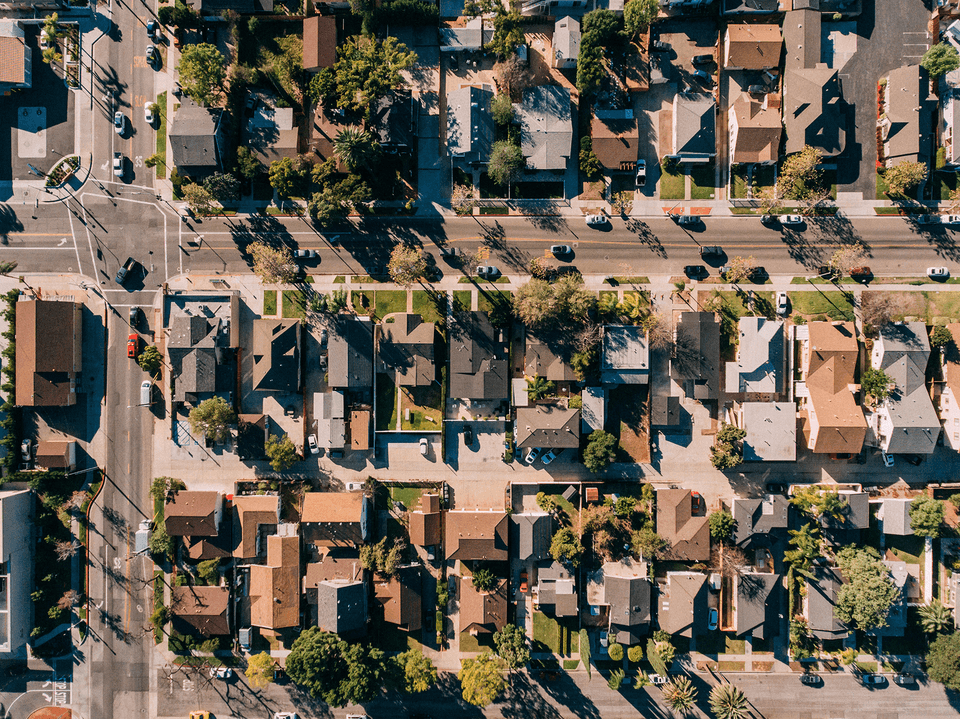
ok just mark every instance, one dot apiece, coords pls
pixel 522 700
pixel 646 237
pixel 545 216
pixel 564 691
pixel 495 239
pixel 8 223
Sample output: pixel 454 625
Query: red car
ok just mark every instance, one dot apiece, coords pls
pixel 133 344
pixel 523 581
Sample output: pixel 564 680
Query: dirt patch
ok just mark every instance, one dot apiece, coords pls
pixel 763 666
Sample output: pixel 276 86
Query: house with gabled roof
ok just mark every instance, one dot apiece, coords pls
pixel 547 426
pixel 477 536
pixel 56 455
pixel 350 354
pixel 624 588
pixel 202 344
pixel 760 365
pixel 615 139
pixel 531 534
pixel 543 361
pixel 49 358
pixel 255 517
pixel 695 360
pixel 683 603
pixel 819 603
pixel 200 610
pixel 624 355
pixel 752 46
pixel 566 43
pixel 342 607
pixel 694 127
pixel 197 138
pixel 906 129
pixel 688 534
pixel 761 522
pixel 478 359
pixel 335 519
pixel 482 612
pixel 896 617
pixel 275 585
pixel 193 514
pixel 470 133
pixel 395 121
pixel 319 42
pixel 399 598
pixel 755 129
pixel 546 127
pixel 424 522
pixel 406 350
pixel 556 590
pixel 276 355
pixel 756 606
pixel 853 518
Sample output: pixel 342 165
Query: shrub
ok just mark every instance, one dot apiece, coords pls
pixel 635 654
pixel 615 651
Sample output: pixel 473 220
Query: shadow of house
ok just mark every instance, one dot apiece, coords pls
pixel 276 355
pixel 395 121
pixel 546 127
pixel 49 357
pixel 197 139
pixel 251 437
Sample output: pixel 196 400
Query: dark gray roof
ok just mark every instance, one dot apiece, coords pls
pixel 625 357
pixel 276 355
pixel 557 592
pixel 341 606
pixel 665 411
pixel 696 355
pixel 547 426
pixel 395 120
pixel 760 517
pixel 856 516
pixel 532 535
pixel 195 346
pixel 546 127
pixel 750 7
pixel 821 598
pixel 350 353
pixel 193 136
pixel 758 604
pixel 406 348
pixel 683 603
pixel 629 600
pixel 902 352
pixel 478 359
pixel 694 125
pixel 469 123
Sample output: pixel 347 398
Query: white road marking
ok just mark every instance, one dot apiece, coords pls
pixel 63 241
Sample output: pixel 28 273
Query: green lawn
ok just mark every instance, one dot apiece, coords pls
pixel 833 304
pixel 881 188
pixel 487 299
pixel 703 183
pixel 409 497
pixel 389 301
pixel 546 632
pixel 270 303
pixel 908 549
pixel 294 304
pixel 162 136
pixel 671 186
pixel 425 305
pixel 469 643
pixel 740 182
pixel 830 180
pixel 732 645
pixel 462 300
pixel 762 177
pixel 943 184
pixel 424 405
pixel 386 403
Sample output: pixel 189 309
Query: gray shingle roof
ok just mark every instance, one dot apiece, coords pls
pixel 760 517
pixel 193 136
pixel 350 353
pixel 341 606
pixel 546 127
pixel 902 352
pixel 406 348
pixel 469 123
pixel 547 426
pixel 478 359
pixel 533 533
pixel 696 354
pixel 760 360
pixel 694 125
pixel 557 593
pixel 821 598
pixel 908 135
pixel 194 346
pixel 276 355
pixel 758 604
pixel 683 603
pixel 627 590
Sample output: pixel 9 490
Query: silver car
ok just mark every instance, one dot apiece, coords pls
pixel 487 271
pixel 596 220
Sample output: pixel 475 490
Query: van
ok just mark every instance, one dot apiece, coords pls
pixel 146 393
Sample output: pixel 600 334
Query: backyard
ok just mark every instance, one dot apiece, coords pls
pixel 932 307
pixel 425 405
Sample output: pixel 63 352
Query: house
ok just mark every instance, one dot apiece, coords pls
pixel 814 112
pixel 906 127
pixel 16 58
pixel 761 522
pixel 615 139
pixel 482 612
pixel 197 138
pixel 546 127
pixel 477 536
pixel 470 124
pixel 271 132
pixel 761 364
pixel 683 603
pixel 16 571
pixel 56 455
pixel 688 535
pixel 472 37
pixel 626 590
pixel 771 431
pixel 624 355
pixel 330 415
pixel 276 355
pixel 478 359
pixel 335 519
pixel 350 354
pixel 905 422
pixel 854 517
pixel 202 344
pixel 695 361
pixel 556 591
pixel 950 392
pixel 694 127
pixel 949 120
pixel 425 523
pixel 835 421
pixel 200 610
pixel 820 601
pixel 330 563
pixel 543 361
pixel 193 514
pixel 755 129
pixel 399 598
pixel 547 426
pixel 531 534
pixel 896 617
pixel 319 42
pixel 894 516
pixel 49 359
pixel 395 122
pixel 342 606
pixel 275 586
pixel 254 518
pixel 756 607
pixel 752 46
pixel 593 412
pixel 665 411
pixel 566 43
pixel 405 349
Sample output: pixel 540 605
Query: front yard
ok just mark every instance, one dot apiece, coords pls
pixel 820 305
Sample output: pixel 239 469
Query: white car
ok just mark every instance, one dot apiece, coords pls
pixel 658 679
pixel 532 455
pixel 887 459
pixel 950 219
pixel 551 455
pixel 119 122
pixel 938 273
pixel 424 446
pixel 285 715
pixel 782 304
pixel 354 486
pixel 487 271
pixel 596 220
pixel 312 444
pixel 148 113
pixel 874 679
pixel 221 672
pixel 713 620
pixel 790 220
pixel 117 164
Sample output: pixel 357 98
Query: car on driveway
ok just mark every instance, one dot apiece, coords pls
pixel 782 304
pixel 596 220
pixel 134 315
pixel 487 271
pixel 312 444
pixel 560 250
pixel 424 446
pixel 874 680
pixel 117 164
pixel 703 59
pixel 713 619
pixel 551 455
pixel 467 435
pixel 133 344
pixel 887 459
pixel 810 679
pixel 791 220
pixel 119 122
pixel 695 272
pixel 904 680
pixel 524 584
pixel 26 448
pixel 532 454
pixel 641 176
pixel 938 273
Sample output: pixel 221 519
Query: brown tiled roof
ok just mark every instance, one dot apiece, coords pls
pixel 12 53
pixel 360 429
pixel 340 563
pixel 757 131
pixel 319 42
pixel 425 523
pixel 477 535
pixel 400 598
pixel 688 535
pixel 53 455
pixel 616 142
pixel 49 334
pixel 191 514
pixel 275 587
pixel 249 512
pixel 201 609
pixel 482 613
pixel 753 46
pixel 836 420
pixel 332 518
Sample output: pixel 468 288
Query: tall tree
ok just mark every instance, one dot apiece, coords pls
pixel 506 162
pixel 482 678
pixel 222 186
pixel 419 673
pixel 198 198
pixel 539 387
pixel 201 71
pixel 272 265
pixel 511 644
pixel 680 694
pixel 638 15
pixel 935 618
pixel 502 110
pixel 281 451
pixel 847 258
pixel 722 525
pixel 288 175
pixel 407 265
pixel 940 59
pixel 806 548
pixel 943 660
pixel 212 419
pixel 565 547
pixel 904 176
pixel 926 516
pixel 356 148
pixel 865 600
pixel 727 701
pixel 600 451
pixel 507 33
pixel 260 670
pixel 800 176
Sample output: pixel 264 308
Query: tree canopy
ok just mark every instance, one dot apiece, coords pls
pixel 212 419
pixel 639 14
pixel 259 671
pixel 926 516
pixel 904 176
pixel 356 148
pixel 875 383
pixel 272 265
pixel 542 305
pixel 406 265
pixel 943 660
pixel 281 451
pixel 565 547
pixel 865 600
pixel 507 33
pixel 288 175
pixel 939 59
pixel 482 678
pixel 936 618
pixel 600 451
pixel 198 198
pixel 419 673
pixel 506 162
pixel 722 525
pixel 201 71
pixel 511 644
pixel 334 671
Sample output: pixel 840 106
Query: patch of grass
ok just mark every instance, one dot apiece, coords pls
pixel 362 300
pixel 830 180
pixel 424 405
pixel 462 300
pixel 882 187
pixel 294 304
pixel 494 211
pixel 390 301
pixel 546 633
pixel 763 176
pixel 703 183
pixel 671 186
pixel 730 666
pixel 732 645
pixel 469 643
pixel 866 667
pixel 270 303
pixel 908 548
pixel 158 598
pixel 161 167
pixel 487 299
pixel 339 280
pixel 571 663
pixel 363 278
pixel 425 305
pixel 944 183
pixel 386 403
pixel 627 280
pixel 409 497
pixel 833 304
pixel 739 188
pixel 479 280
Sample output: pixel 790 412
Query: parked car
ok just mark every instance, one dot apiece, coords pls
pixel 551 455
pixel 929 220
pixel 757 90
pixel 711 251
pixel 523 581
pixel 641 176
pixel 914 459
pixel 312 444
pixel 153 57
pixel 791 220
pixel 873 679
pixel 950 219
pixel 134 316
pixel 777 488
pixel 706 59
pixel 424 446
pixel 768 219
pixel 660 46
pixel 153 29
pixel 305 254
pixel 468 435
pixel 596 220
pixel 532 455
pixel 887 459
pixel 713 620
pixel 658 679
pixel 688 220
pixel 133 344
pixel 353 486
pixel 560 250
pixel 221 672
pixel 487 271
pixel 703 75
pixel 861 272
pixel 117 164
pixel 810 679
pixel 124 271
pixel 938 273
pixel 695 272
pixel 782 304
pixel 904 680
pixel 200 714
pixel 285 715
pixel 26 450
pixel 119 122
pixel 450 252
pixel 148 113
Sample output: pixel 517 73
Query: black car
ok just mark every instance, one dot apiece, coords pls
pixel 915 459
pixel 711 250
pixel 702 59
pixel 810 679
pixel 777 488
pixel 695 272
pixel 134 316
pixel 124 271
pixel 468 435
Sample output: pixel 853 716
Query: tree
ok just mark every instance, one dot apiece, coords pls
pixel 212 419
pixel 635 654
pixel 722 525
pixel 153 160
pixel 484 580
pixel 222 186
pixel 51 56
pixel 419 673
pixel 740 268
pixel 201 71
pixel 800 177
pixel 601 450
pixel 66 549
pixel 161 543
pixel 366 673
pixel 407 265
pixel 366 70
pixel 7 267
pixel 69 599
pixel 935 618
pixel 926 516
pixel 877 309
pixel 482 678
pixel 160 486
pixel 150 360
pixel 806 548
pixel 876 383
pixel 565 547
pixel 248 166
pixel 590 67
pixel 287 175
pixel 259 670
pixel 603 26
pixel 209 571
pixel 273 266
pixel 726 452
pixel 848 258
pixel 281 451
pixel 617 676
pixel 539 387
pixel 317 663
pixel 730 433
pixel 541 305
pixel 866 598
pixel 462 200
pixel 659 334
pixel 506 162
pixel 727 701
pixel 548 503
pixel 507 33
pixel 512 77
pixel 943 660
pixel 502 110
pixel 904 176
pixel 940 337
pixel 615 651
pixel 589 162
pixel 356 148
pixel 646 543
pixel 638 15
pixel 198 198
pixel 383 558
pixel 511 644
pixel 940 59
pixel 680 694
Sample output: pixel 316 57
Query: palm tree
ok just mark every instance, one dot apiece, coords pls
pixel 936 618
pixel 633 306
pixel 806 541
pixel 538 388
pixel 355 148
pixel 728 702
pixel 607 306
pixel 680 694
